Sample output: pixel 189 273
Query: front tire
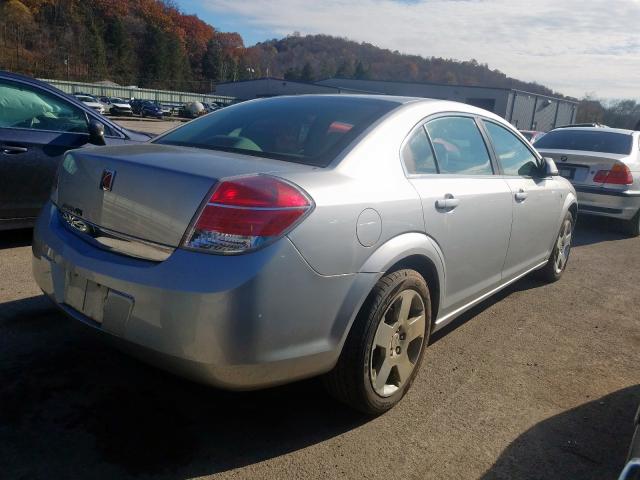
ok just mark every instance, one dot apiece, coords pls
pixel 386 344
pixel 557 263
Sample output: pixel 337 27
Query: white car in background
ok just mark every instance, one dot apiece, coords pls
pixel 116 106
pixel 603 164
pixel 90 102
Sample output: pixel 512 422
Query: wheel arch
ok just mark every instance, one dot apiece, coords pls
pixel 426 268
pixel 573 208
pixel 412 250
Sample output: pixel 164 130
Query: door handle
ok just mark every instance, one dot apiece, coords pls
pixel 9 149
pixel 521 195
pixel 449 202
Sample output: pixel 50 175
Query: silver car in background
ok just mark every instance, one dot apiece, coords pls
pixel 603 164
pixel 285 238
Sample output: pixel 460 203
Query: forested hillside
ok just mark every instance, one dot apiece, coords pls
pixel 321 56
pixel 150 43
pixel 141 42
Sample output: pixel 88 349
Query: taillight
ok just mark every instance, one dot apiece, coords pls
pixel 246 213
pixel 618 175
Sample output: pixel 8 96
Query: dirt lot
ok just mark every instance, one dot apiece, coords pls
pixel 541 382
pixel 148 125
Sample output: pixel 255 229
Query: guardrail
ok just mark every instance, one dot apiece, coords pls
pixel 164 96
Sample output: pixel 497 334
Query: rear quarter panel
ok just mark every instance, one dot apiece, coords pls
pixel 369 177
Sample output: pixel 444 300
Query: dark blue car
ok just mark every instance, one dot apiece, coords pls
pixel 151 109
pixel 38 124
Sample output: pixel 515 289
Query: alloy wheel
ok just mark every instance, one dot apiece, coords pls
pixel 563 246
pixel 397 343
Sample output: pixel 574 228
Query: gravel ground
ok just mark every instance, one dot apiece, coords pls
pixel 540 382
pixel 148 125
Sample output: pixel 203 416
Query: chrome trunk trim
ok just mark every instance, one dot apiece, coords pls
pixel 114 241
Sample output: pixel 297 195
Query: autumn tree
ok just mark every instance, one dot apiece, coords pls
pixel 307 75
pixel 17 21
pixel 360 72
pixel 345 70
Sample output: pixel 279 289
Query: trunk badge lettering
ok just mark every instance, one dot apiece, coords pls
pixel 563 158
pixel 75 222
pixel 106 181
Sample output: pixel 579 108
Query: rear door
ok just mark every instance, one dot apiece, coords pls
pixel 467 208
pixel 537 201
pixel 36 128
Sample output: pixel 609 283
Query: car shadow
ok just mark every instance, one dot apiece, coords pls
pixel 591 229
pixel 587 442
pixel 528 282
pixel 16 238
pixel 66 390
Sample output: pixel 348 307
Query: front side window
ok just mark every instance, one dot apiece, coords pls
pixel 22 106
pixel 417 154
pixel 308 129
pixel 459 146
pixel 514 156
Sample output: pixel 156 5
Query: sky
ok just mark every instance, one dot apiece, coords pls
pixel 575 47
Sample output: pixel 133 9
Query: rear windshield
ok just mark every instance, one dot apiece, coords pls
pixel 311 130
pixel 587 140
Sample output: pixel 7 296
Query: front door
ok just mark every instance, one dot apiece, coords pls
pixel 537 202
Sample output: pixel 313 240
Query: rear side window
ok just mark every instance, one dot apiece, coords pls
pixel 515 158
pixel 307 129
pixel 417 154
pixel 23 106
pixel 459 146
pixel 593 140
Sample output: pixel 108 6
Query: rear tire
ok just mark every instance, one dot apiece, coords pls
pixel 559 258
pixel 386 344
pixel 632 227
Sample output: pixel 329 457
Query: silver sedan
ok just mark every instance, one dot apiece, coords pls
pixel 285 238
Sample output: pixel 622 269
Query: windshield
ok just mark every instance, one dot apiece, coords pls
pixel 307 129
pixel 594 140
pixel 117 100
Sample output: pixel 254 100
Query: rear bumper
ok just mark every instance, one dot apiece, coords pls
pixel 120 111
pixel 622 204
pixel 237 322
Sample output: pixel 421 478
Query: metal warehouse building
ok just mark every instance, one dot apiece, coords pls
pixel 273 87
pixel 525 110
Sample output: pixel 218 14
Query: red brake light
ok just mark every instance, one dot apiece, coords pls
pixel 618 175
pixel 246 213
pixel 601 176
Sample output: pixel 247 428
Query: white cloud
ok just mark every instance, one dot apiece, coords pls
pixel 572 46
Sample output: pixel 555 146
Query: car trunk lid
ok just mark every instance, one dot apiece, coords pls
pixel 581 167
pixel 155 190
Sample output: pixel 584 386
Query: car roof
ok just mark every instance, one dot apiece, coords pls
pixel 389 98
pixel 398 100
pixel 25 78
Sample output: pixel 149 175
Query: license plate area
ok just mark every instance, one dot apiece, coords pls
pixel 85 296
pixel 567 172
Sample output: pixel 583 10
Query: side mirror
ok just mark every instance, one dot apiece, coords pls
pixel 96 133
pixel 549 168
